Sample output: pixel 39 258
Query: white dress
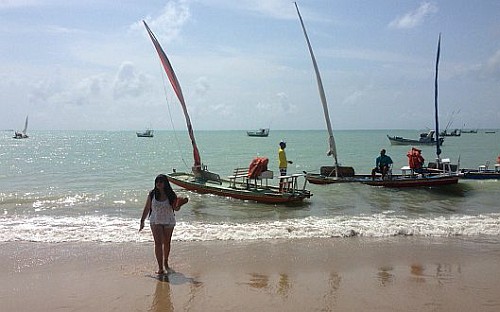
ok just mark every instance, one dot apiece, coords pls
pixel 162 213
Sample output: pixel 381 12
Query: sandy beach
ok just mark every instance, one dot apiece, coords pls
pixel 351 274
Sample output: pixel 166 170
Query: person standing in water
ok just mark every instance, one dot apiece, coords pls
pixel 283 162
pixel 160 206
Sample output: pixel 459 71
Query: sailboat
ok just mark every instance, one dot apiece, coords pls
pixel 22 134
pixel 335 173
pixel 436 174
pixel 245 183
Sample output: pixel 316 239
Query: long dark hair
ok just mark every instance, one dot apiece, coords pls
pixel 166 187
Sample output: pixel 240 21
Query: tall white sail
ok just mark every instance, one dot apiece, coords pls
pixel 331 140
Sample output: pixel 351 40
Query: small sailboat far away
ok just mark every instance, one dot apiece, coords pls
pixel 22 134
pixel 335 173
pixel 148 133
pixel 436 174
pixel 262 132
pixel 245 183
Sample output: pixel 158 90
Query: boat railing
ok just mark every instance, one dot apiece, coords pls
pixel 289 183
pixel 446 165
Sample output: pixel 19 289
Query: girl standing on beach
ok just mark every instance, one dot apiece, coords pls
pixel 160 206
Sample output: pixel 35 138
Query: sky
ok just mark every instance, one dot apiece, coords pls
pixel 89 65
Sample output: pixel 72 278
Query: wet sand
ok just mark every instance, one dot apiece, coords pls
pixel 337 274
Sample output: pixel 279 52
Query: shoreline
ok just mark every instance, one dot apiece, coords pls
pixel 348 274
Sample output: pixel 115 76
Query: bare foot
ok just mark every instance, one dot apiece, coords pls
pixel 160 272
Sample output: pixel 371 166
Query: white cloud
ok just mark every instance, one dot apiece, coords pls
pixel 284 102
pixel 492 67
pixel 416 17
pixel 169 23
pixel 277 105
pixel 128 82
pixel 201 86
pixel 484 71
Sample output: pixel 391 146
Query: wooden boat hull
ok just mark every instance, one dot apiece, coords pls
pixel 327 175
pixel 238 190
pixel 477 175
pixel 403 181
pixel 315 178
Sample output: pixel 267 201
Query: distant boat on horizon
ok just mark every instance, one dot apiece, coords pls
pixel 148 133
pixel 22 134
pixel 425 139
pixel 262 132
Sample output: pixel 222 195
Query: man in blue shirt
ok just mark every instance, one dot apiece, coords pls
pixel 382 165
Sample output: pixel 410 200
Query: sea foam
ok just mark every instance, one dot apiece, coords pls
pixel 115 229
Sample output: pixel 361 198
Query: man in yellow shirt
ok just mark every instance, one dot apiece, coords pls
pixel 283 162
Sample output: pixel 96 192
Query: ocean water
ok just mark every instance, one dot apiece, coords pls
pixel 91 186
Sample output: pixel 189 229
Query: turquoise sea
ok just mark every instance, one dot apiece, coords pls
pixel 91 186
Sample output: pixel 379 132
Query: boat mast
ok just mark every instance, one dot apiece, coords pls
pixel 331 140
pixel 178 91
pixel 438 143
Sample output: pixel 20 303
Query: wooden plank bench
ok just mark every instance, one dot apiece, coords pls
pixel 238 173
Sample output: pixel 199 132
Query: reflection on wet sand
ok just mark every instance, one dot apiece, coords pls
pixel 162 299
pixel 385 275
pixel 284 285
pixel 331 296
pixel 259 281
pixel 417 273
pixel 444 273
pixel 281 287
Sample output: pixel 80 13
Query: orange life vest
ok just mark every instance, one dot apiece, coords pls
pixel 256 167
pixel 415 159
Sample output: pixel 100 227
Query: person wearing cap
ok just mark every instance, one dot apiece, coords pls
pixel 382 164
pixel 283 162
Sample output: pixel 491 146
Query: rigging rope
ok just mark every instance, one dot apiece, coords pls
pixel 170 116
